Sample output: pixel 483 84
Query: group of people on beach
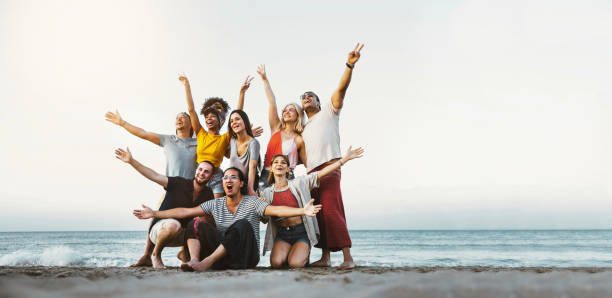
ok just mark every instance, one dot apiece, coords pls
pixel 214 214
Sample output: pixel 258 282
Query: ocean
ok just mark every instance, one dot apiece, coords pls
pixel 387 248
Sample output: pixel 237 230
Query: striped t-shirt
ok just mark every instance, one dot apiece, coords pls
pixel 250 208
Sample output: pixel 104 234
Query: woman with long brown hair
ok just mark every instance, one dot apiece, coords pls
pixel 290 238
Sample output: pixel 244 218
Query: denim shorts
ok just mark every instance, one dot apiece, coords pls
pixel 215 183
pixel 293 234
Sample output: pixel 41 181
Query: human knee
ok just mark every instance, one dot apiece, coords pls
pixel 297 263
pixel 277 262
pixel 171 227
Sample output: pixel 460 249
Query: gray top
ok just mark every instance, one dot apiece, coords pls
pixel 180 155
pixel 300 188
pixel 250 208
pixel 252 153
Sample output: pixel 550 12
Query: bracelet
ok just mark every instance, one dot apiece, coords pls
pixel 349 66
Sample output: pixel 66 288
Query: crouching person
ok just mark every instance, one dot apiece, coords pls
pixel 234 242
pixel 180 192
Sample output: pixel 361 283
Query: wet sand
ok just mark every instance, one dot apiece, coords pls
pixel 307 282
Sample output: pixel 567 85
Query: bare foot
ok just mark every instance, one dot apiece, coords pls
pixel 347 265
pixel 202 266
pixel 186 268
pixel 157 262
pixel 320 263
pixel 181 255
pixel 144 261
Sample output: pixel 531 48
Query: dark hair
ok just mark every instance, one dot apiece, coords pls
pixel 243 189
pixel 315 96
pixel 188 117
pixel 207 108
pixel 271 176
pixel 211 164
pixel 211 101
pixel 245 119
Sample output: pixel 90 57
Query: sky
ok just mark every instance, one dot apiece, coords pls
pixel 474 114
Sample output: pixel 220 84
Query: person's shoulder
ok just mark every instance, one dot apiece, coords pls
pixel 177 180
pixel 201 133
pixel 252 199
pixel 215 201
pixel 330 109
pixel 163 139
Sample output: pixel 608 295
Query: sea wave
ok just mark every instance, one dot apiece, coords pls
pixel 52 256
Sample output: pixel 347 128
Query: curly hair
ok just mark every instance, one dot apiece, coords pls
pixel 211 101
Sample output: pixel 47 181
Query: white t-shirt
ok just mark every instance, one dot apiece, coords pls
pixel 322 137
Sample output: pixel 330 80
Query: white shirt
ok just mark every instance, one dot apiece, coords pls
pixel 322 137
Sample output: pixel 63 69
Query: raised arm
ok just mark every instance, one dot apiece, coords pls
pixel 195 121
pixel 301 147
pixel 126 156
pixel 284 211
pixel 350 154
pixel 115 118
pixel 245 86
pixel 275 122
pixel 338 96
pixel 146 213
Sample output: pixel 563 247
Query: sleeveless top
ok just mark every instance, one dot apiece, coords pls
pixel 277 146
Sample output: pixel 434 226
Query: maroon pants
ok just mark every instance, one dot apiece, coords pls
pixel 332 222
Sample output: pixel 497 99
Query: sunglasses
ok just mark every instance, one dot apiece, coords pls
pixel 307 94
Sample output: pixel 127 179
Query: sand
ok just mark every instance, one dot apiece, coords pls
pixel 308 282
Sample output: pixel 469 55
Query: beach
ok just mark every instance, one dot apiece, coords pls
pixel 58 281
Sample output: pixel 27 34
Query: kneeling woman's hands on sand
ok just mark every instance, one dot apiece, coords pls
pixel 145 213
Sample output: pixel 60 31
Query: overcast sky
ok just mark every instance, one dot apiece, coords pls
pixel 474 114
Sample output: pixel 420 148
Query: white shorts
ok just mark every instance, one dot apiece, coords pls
pixel 157 227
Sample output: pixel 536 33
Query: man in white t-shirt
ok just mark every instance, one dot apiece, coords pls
pixel 322 138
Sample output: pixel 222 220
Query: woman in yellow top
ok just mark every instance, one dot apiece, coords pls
pixel 213 146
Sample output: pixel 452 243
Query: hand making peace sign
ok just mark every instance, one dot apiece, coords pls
pixel 354 55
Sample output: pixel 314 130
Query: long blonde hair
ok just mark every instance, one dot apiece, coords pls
pixel 299 124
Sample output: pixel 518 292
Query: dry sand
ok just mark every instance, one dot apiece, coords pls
pixel 308 282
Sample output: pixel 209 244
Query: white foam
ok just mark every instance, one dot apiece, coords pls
pixel 52 256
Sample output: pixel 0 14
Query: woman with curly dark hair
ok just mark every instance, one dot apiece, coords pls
pixel 212 146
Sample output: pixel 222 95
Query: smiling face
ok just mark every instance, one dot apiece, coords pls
pixel 212 121
pixel 182 121
pixel 203 173
pixel 231 182
pixel 280 166
pixel 290 113
pixel 310 101
pixel 236 123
